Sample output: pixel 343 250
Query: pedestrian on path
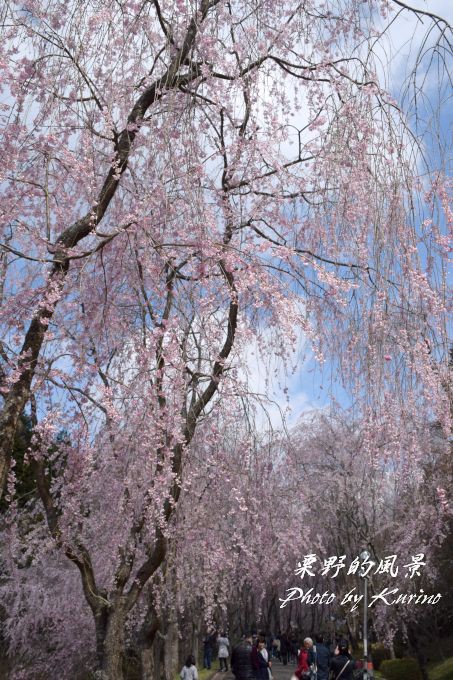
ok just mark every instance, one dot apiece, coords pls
pixel 303 669
pixel 241 659
pixel 265 654
pixel 285 648
pixel 308 644
pixel 322 658
pixel 294 648
pixel 269 638
pixel 224 653
pixel 208 648
pixel 342 665
pixel 260 663
pixel 189 670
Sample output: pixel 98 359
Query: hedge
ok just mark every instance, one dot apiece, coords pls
pixel 379 654
pixel 401 669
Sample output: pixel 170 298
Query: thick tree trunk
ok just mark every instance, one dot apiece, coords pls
pixel 148 666
pixel 147 662
pixel 110 634
pixel 147 648
pixel 7 430
pixel 416 649
pixel 19 394
pixel 171 648
pixel 191 630
pixel 195 637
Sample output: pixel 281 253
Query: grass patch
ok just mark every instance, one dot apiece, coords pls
pixel 206 674
pixel 442 671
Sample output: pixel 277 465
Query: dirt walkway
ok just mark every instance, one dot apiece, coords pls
pixel 279 672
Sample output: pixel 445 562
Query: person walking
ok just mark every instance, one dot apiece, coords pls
pixel 265 654
pixel 208 648
pixel 303 669
pixel 285 648
pixel 322 658
pixel 224 653
pixel 308 644
pixel 241 659
pixel 342 665
pixel 189 670
pixel 260 664
pixel 269 638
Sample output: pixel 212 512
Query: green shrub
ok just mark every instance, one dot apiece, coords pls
pixel 401 669
pixel 379 653
pixel 442 671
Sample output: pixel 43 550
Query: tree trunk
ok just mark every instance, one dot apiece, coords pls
pixel 417 651
pixel 110 636
pixel 171 648
pixel 19 393
pixel 195 636
pixel 8 424
pixel 148 633
pixel 147 662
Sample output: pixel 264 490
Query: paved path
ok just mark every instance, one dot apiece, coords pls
pixel 279 672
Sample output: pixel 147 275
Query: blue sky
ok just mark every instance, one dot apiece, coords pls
pixel 312 387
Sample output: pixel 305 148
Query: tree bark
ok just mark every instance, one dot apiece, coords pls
pixel 19 393
pixel 195 637
pixel 171 648
pixel 414 645
pixel 147 636
pixel 148 667
pixel 110 643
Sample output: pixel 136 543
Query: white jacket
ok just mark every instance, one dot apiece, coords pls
pixel 223 643
pixel 189 673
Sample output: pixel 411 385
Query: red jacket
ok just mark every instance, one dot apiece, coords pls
pixel 302 662
pixel 254 658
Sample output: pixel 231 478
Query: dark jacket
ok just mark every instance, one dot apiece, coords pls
pixel 322 655
pixel 209 642
pixel 285 645
pixel 241 661
pixel 337 664
pixel 260 665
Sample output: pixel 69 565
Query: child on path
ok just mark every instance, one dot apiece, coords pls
pixel 189 671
